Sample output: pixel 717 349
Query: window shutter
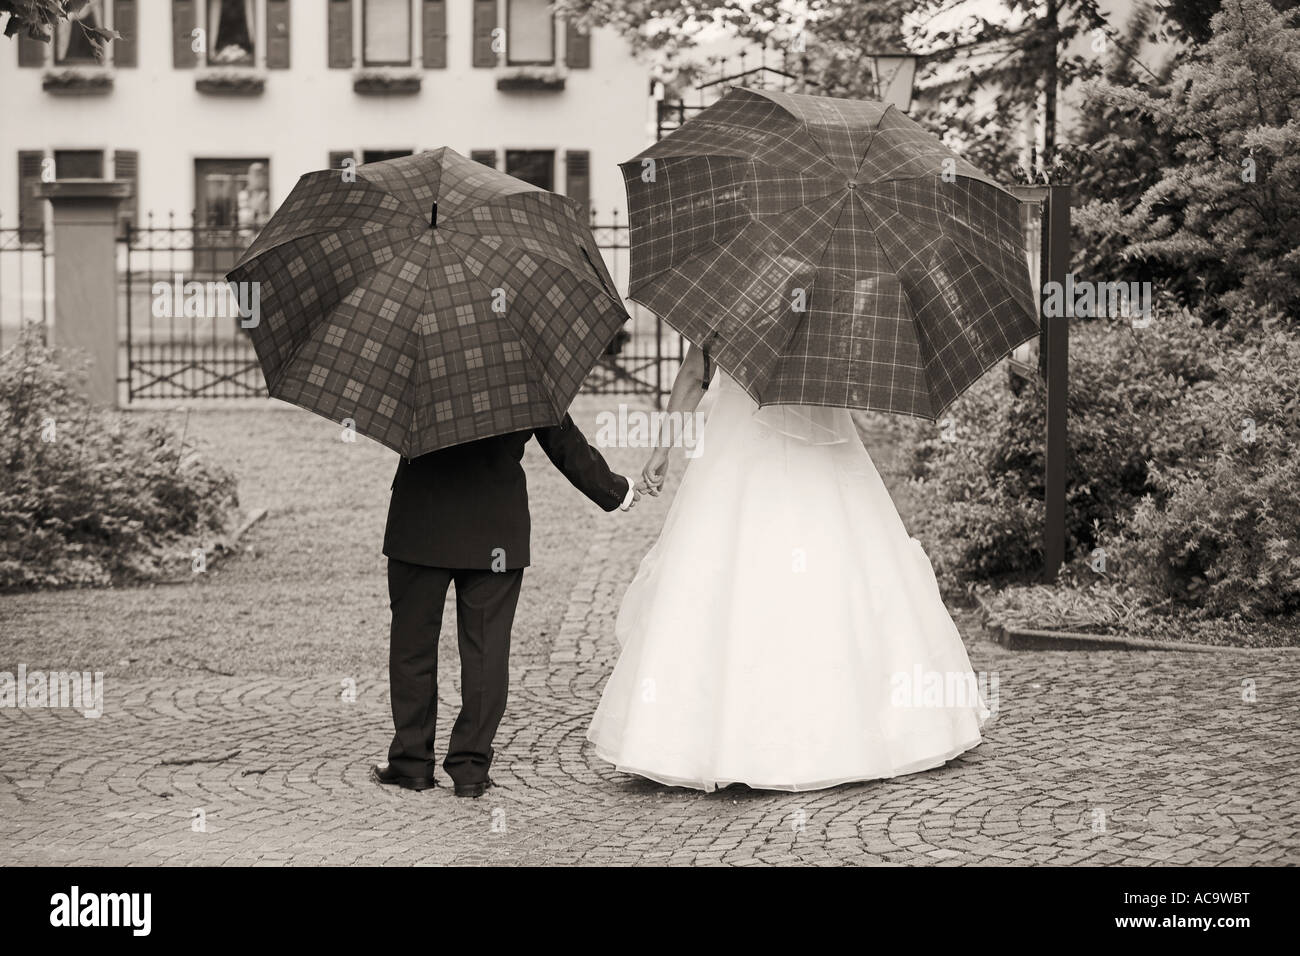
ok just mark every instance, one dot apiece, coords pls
pixel 31 209
pixel 184 21
pixel 30 52
pixel 337 156
pixel 340 39
pixel 277 34
pixel 123 48
pixel 434 24
pixel 485 21
pixel 488 157
pixel 577 178
pixel 126 165
pixel 577 47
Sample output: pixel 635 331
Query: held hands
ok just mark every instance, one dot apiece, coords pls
pixel 654 472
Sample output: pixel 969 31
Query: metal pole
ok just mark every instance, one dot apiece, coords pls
pixel 1056 330
pixel 1050 82
pixel 130 357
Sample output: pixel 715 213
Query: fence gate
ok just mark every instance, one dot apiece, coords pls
pixel 26 287
pixel 643 358
pixel 182 338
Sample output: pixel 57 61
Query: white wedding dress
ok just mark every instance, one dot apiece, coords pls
pixel 785 631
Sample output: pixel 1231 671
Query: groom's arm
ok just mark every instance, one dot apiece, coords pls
pixel 584 466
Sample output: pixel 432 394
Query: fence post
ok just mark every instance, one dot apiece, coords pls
pixel 85 275
pixel 1056 357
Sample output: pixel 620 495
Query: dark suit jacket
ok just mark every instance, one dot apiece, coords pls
pixel 453 508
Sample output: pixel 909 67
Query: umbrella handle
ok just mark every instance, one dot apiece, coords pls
pixel 433 217
pixel 708 367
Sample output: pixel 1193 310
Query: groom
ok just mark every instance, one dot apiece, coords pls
pixel 460 515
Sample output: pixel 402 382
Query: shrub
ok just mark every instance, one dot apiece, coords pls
pixel 1221 529
pixel 91 496
pixel 1226 203
pixel 980 511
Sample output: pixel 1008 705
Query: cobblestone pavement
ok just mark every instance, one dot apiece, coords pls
pixel 1093 758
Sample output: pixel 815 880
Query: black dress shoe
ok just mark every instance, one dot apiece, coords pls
pixel 473 789
pixel 390 777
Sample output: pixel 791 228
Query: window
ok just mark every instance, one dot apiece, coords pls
pixel 78 164
pixel 71 42
pixel 386 33
pixel 536 166
pixel 530 33
pixel 232 26
pixel 379 155
pixel 231 203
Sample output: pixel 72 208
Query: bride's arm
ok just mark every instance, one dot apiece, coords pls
pixel 688 389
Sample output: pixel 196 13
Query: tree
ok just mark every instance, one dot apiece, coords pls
pixel 828 40
pixel 1225 206
pixel 37 18
pixel 1114 156
pixel 1023 59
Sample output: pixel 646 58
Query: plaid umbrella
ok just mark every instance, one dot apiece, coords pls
pixel 828 252
pixel 430 299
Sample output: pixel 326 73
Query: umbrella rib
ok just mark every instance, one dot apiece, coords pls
pixel 294 237
pixel 875 133
pixel 956 240
pixel 741 156
pixel 830 234
pixel 284 366
pixel 544 253
pixel 885 252
pixel 559 413
pixel 413 382
pixel 713 243
pixel 497 202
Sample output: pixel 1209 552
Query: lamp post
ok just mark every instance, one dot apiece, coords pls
pixel 1046 214
pixel 893 75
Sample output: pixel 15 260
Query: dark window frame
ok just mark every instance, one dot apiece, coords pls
pixel 510 32
pixel 248 62
pixel 410 41
pixel 99 155
pixel 552 153
pixel 100 59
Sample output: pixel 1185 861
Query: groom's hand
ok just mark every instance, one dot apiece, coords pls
pixel 632 497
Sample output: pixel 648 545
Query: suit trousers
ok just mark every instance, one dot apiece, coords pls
pixel 485 611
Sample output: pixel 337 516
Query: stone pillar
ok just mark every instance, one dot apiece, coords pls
pixel 85 275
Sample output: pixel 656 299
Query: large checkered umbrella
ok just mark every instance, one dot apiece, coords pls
pixel 828 252
pixel 429 299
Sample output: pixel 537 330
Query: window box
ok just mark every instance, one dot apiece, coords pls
pixel 74 81
pixel 531 81
pixel 379 82
pixel 231 82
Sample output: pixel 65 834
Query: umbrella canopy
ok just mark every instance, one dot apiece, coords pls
pixel 828 252
pixel 430 299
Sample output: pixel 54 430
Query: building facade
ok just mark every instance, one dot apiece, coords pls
pixel 216 107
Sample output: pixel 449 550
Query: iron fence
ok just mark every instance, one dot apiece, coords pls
pixel 175 349
pixel 26 285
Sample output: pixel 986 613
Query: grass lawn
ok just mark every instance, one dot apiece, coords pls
pixel 308 593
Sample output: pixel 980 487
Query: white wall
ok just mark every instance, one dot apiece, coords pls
pixel 309 109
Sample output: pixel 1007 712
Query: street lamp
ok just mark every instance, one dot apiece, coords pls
pixel 893 75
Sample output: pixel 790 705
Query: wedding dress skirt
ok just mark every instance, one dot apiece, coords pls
pixel 785 631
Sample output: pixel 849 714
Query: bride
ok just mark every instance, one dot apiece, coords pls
pixel 785 631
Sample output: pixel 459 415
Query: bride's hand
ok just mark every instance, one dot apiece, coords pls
pixel 655 470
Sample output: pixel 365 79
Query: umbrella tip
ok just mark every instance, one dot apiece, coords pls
pixel 433 217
